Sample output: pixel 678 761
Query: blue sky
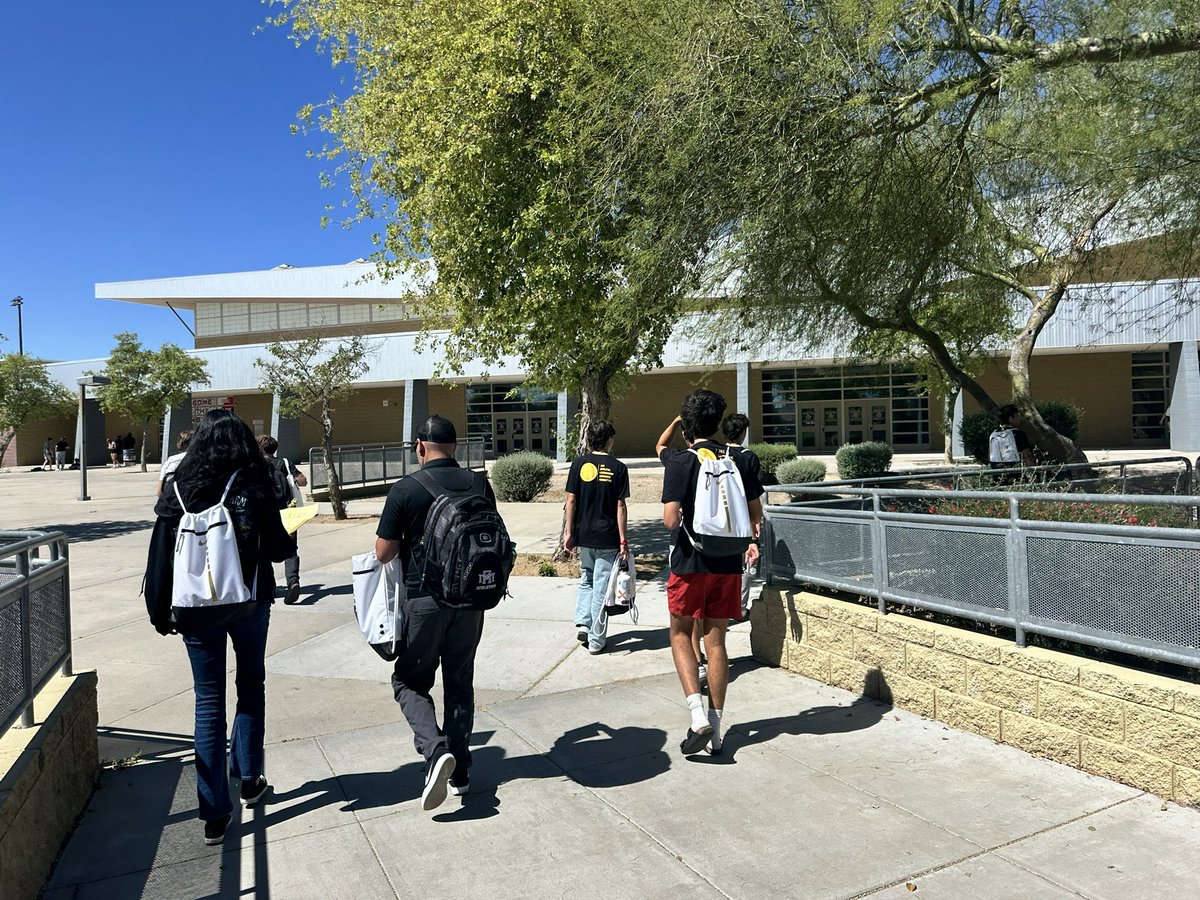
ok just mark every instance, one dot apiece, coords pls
pixel 149 139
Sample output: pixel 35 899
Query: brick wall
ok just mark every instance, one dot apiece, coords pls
pixel 1134 727
pixel 46 777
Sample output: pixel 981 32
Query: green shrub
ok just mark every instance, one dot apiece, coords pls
pixel 547 570
pixel 975 429
pixel 522 476
pixel 803 470
pixel 868 460
pixel 771 455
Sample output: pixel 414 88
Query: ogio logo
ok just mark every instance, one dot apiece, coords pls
pixel 485 538
pixel 487 578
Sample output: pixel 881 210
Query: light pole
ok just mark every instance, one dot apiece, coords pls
pixel 84 383
pixel 18 302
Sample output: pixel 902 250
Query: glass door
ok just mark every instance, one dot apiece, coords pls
pixel 831 425
pixel 539 431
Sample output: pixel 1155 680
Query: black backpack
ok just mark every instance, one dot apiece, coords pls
pixel 465 555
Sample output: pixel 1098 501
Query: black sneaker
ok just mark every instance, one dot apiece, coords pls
pixel 582 635
pixel 292 595
pixel 696 740
pixel 214 831
pixel 252 791
pixel 436 775
pixel 460 784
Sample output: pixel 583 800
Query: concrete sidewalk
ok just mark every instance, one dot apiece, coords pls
pixel 579 788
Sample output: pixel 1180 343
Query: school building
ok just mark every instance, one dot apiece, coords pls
pixel 1126 358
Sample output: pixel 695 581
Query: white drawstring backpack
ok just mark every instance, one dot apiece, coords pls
pixel 207 565
pixel 379 594
pixel 720 523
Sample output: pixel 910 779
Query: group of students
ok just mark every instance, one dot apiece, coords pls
pixel 55 453
pixel 121 449
pixel 223 465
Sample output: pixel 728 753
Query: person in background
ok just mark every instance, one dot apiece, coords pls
pixel 597 488
pixel 114 452
pixel 223 447
pixel 48 453
pixel 128 448
pixel 283 496
pixel 60 452
pixel 171 463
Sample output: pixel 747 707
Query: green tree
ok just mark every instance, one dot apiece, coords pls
pixel 145 383
pixel 310 375
pixel 28 394
pixel 471 138
pixel 855 160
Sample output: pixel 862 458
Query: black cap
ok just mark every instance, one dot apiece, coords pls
pixel 438 430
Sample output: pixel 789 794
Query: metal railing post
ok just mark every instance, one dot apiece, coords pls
pixel 879 560
pixel 1018 572
pixel 64 553
pixel 26 640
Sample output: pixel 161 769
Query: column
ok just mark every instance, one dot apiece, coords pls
pixel 416 409
pixel 1183 404
pixel 286 430
pixel 97 443
pixel 743 397
pixel 568 410
pixel 177 420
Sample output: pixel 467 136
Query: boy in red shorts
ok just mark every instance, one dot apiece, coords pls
pixel 704 589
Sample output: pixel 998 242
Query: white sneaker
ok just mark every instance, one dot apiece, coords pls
pixel 436 776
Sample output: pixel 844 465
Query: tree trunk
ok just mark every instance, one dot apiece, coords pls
pixel 335 484
pixel 145 431
pixel 949 401
pixel 5 440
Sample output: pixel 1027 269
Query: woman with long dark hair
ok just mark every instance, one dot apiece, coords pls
pixel 224 465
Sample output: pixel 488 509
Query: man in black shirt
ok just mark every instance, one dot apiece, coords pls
pixel 433 634
pixel 704 588
pixel 597 488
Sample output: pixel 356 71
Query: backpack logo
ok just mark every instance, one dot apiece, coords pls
pixel 486 538
pixel 487 579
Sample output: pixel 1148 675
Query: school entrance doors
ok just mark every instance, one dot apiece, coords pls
pixel 511 417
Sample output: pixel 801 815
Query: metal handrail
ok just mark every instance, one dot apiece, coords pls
pixel 386 462
pixel 25 576
pixel 916 572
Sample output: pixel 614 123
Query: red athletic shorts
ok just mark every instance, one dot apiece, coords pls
pixel 705 596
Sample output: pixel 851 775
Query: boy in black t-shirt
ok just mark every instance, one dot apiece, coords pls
pixel 701 588
pixel 597 488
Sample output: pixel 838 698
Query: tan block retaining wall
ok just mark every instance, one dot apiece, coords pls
pixel 46 777
pixel 1134 727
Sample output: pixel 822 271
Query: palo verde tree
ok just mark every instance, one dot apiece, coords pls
pixel 310 375
pixel 28 394
pixel 145 383
pixel 857 160
pixel 470 137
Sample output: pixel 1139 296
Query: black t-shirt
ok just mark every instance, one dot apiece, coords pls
pixel 279 479
pixel 679 486
pixel 61 446
pixel 408 504
pixel 753 463
pixel 598 482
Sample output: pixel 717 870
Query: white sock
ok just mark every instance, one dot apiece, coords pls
pixel 696 707
pixel 714 719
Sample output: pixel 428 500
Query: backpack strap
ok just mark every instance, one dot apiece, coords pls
pixel 178 496
pixel 228 485
pixel 436 488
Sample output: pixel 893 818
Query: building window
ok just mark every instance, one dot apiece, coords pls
pixel 823 407
pixel 1150 384
pixel 511 417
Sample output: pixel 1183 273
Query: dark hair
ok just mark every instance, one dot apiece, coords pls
pixel 1006 412
pixel 184 439
pixel 269 444
pixel 701 414
pixel 221 444
pixel 735 427
pixel 599 434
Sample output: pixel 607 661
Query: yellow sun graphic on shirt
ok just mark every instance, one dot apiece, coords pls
pixel 705 453
pixel 588 472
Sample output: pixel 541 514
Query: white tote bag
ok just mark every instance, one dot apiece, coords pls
pixel 378 602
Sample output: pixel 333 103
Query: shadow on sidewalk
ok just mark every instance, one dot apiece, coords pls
pixel 80 532
pixel 315 593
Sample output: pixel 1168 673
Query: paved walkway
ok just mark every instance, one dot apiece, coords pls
pixel 579 788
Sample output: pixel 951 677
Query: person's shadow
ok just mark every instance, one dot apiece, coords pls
pixel 599 756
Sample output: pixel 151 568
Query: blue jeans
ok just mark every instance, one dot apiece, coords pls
pixel 206 651
pixel 595 566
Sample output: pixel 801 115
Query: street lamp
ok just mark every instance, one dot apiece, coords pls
pixel 84 383
pixel 18 302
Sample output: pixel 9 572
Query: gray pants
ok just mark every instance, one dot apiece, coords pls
pixel 291 570
pixel 434 635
